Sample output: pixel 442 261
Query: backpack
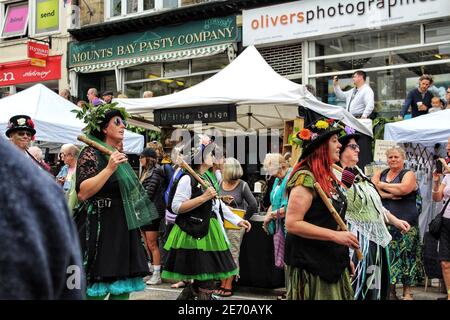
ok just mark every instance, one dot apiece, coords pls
pixel 196 221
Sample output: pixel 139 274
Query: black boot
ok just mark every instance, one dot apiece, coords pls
pixel 188 293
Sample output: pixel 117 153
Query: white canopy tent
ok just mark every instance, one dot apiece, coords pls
pixel 427 130
pixel 264 99
pixel 52 116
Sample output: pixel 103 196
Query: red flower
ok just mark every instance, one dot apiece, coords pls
pixel 30 123
pixel 330 121
pixel 304 134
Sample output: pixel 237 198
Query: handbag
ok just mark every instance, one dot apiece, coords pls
pixel 278 243
pixel 436 224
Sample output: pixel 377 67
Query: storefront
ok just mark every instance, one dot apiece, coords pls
pixel 21 74
pixel 163 60
pixel 393 41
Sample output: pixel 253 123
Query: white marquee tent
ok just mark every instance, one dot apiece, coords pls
pixel 264 99
pixel 427 130
pixel 52 116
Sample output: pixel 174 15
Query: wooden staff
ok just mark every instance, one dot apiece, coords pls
pixel 335 166
pixel 204 183
pixel 94 144
pixel 187 167
pixel 335 214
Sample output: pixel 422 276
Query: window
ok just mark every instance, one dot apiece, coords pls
pixel 437 32
pixel 16 20
pixel 364 41
pixel 122 8
pixel 47 16
pixel 169 77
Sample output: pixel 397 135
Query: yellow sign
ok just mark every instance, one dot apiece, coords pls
pixel 47 16
pixel 38 62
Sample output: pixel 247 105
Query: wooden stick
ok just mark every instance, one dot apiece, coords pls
pixel 94 144
pixel 335 166
pixel 335 214
pixel 187 167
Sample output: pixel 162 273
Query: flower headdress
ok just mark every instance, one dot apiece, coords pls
pixel 314 135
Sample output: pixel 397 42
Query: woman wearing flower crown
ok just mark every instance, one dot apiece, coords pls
pixel 113 206
pixel 198 247
pixel 316 252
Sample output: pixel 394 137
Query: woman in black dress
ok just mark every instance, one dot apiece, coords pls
pixel 113 206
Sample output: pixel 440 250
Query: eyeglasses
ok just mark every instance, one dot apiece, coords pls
pixel 118 121
pixel 353 146
pixel 24 133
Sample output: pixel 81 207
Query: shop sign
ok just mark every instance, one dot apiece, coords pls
pixel 381 146
pixel 205 114
pixel 22 72
pixel 192 34
pixel 38 52
pixel 16 20
pixel 312 18
pixel 47 16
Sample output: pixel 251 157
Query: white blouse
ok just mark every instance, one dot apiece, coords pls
pixel 184 193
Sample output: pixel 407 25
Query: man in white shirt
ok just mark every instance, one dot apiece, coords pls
pixel 359 101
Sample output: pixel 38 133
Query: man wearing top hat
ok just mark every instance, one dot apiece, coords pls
pixel 107 96
pixel 20 132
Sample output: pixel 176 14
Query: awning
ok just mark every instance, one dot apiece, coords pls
pixel 161 57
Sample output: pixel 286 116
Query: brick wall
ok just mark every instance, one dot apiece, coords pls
pixel 285 60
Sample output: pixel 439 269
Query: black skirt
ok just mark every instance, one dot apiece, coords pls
pixel 111 251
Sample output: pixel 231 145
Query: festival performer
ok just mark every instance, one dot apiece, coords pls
pixel 366 218
pixel 197 246
pixel 113 207
pixel 316 252
pixel 20 131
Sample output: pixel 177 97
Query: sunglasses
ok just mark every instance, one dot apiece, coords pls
pixel 24 133
pixel 119 121
pixel 353 146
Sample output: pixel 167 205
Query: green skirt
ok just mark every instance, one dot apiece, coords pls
pixel 405 256
pixel 204 259
pixel 302 285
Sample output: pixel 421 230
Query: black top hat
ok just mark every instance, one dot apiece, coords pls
pixel 149 153
pixel 311 137
pixel 107 93
pixel 20 122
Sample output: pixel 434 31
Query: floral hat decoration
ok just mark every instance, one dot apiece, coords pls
pixel 20 122
pixel 311 137
pixel 97 117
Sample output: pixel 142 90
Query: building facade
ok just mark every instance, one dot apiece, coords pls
pixel 39 20
pixel 394 43
pixel 163 46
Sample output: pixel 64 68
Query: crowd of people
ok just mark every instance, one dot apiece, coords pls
pixel 185 219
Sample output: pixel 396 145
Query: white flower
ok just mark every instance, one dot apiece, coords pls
pixel 21 121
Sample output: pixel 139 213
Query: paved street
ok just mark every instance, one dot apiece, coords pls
pixel 164 292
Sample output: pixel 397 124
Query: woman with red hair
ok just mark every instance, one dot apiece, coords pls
pixel 316 251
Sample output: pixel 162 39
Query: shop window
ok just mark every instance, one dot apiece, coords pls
pixel 178 68
pixel 437 32
pixel 163 87
pixel 15 20
pixel 364 41
pixel 144 72
pixel 381 59
pixel 389 86
pixel 122 8
pixel 216 62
